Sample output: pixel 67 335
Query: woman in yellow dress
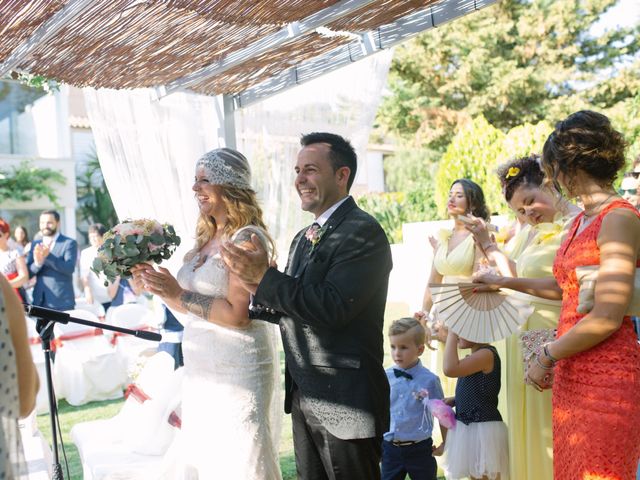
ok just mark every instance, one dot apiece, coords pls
pixel 456 256
pixel 529 412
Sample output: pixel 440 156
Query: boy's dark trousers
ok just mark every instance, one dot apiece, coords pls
pixel 415 459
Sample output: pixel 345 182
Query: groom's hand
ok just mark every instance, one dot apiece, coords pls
pixel 249 261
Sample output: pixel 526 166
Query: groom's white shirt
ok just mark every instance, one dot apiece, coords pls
pixel 324 216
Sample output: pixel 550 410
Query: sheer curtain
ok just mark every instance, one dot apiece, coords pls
pixel 147 150
pixel 268 133
pixel 148 147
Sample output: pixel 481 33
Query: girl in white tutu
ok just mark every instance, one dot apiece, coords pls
pixel 477 447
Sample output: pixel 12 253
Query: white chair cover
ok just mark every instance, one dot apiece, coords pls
pixel 134 441
pixel 128 347
pixel 95 308
pixel 87 367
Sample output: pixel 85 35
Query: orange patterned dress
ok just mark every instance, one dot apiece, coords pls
pixel 596 393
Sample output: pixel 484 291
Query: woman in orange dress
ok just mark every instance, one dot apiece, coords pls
pixel 596 389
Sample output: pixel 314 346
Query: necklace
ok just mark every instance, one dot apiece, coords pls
pixel 595 209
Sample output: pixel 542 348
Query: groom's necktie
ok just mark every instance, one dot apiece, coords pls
pixel 402 373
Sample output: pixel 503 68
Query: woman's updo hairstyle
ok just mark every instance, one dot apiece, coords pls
pixel 584 141
pixel 520 172
pixel 475 198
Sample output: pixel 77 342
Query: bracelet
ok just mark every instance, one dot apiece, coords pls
pixel 545 350
pixel 542 365
pixel 487 246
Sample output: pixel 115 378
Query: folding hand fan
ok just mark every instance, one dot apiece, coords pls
pixel 478 316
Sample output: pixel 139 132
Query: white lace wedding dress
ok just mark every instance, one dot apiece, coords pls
pixel 230 405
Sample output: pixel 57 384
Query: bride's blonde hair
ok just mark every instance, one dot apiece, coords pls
pixel 230 170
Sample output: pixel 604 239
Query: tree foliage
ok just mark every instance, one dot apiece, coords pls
pixel 394 209
pixel 95 205
pixel 472 154
pixel 515 62
pixel 476 152
pixel 25 182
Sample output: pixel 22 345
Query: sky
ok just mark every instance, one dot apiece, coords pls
pixel 625 14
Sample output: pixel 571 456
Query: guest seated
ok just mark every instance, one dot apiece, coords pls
pixel 92 283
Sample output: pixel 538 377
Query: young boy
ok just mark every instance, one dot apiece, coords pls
pixel 408 447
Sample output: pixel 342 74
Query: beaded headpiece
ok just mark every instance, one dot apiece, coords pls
pixel 224 166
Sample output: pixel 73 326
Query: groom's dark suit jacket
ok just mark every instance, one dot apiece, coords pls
pixel 332 307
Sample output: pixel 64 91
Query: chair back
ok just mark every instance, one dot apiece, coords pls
pixel 61 329
pixel 130 315
pixel 95 308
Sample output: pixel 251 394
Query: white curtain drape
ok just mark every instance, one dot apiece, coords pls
pixel 344 102
pixel 147 150
pixel 148 147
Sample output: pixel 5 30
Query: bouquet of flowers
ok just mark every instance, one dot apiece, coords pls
pixel 132 242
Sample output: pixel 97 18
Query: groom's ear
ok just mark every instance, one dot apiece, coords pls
pixel 342 176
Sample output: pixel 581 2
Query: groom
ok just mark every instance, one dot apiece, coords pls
pixel 329 304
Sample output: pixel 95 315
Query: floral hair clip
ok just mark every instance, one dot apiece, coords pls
pixel 513 172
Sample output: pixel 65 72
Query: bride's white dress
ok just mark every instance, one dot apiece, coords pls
pixel 230 405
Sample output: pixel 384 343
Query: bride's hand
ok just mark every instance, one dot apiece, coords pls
pixel 160 282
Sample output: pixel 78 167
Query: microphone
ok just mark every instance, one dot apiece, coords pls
pixel 46 313
pixel 156 337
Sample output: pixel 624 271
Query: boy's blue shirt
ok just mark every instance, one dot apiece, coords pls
pixel 406 410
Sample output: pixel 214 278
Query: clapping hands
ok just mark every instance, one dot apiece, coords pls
pixel 40 253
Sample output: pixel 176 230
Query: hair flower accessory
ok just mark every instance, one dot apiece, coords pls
pixel 513 172
pixel 132 242
pixel 314 234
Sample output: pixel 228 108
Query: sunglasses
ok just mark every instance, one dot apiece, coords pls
pixel 630 191
pixel 632 174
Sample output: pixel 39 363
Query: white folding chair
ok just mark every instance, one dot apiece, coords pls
pixel 95 308
pixel 133 441
pixel 134 317
pixel 87 367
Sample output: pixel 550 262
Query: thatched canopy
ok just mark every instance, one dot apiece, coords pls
pixel 248 49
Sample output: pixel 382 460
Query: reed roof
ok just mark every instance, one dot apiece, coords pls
pixel 237 47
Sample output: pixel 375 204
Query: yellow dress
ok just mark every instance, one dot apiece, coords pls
pixel 455 266
pixel 529 412
pixel 514 247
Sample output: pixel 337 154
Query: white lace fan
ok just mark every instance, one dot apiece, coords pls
pixel 480 316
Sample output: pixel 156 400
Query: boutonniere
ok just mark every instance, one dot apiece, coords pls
pixel 421 394
pixel 314 234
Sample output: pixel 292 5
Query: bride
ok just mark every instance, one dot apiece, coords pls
pixel 230 413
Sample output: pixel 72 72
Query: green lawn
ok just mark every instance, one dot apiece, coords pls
pixel 69 416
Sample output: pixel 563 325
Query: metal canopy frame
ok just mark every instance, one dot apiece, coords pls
pixel 365 44
pixel 369 43
pixel 271 42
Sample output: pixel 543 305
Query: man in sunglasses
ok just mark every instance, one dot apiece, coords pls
pixel 629 188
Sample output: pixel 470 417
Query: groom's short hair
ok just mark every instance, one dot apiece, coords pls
pixel 342 153
pixel 411 325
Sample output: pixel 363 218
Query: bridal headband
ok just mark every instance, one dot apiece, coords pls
pixel 224 166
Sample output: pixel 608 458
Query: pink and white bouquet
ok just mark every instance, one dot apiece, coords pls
pixel 132 242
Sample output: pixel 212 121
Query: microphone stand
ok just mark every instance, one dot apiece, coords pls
pixel 45 320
